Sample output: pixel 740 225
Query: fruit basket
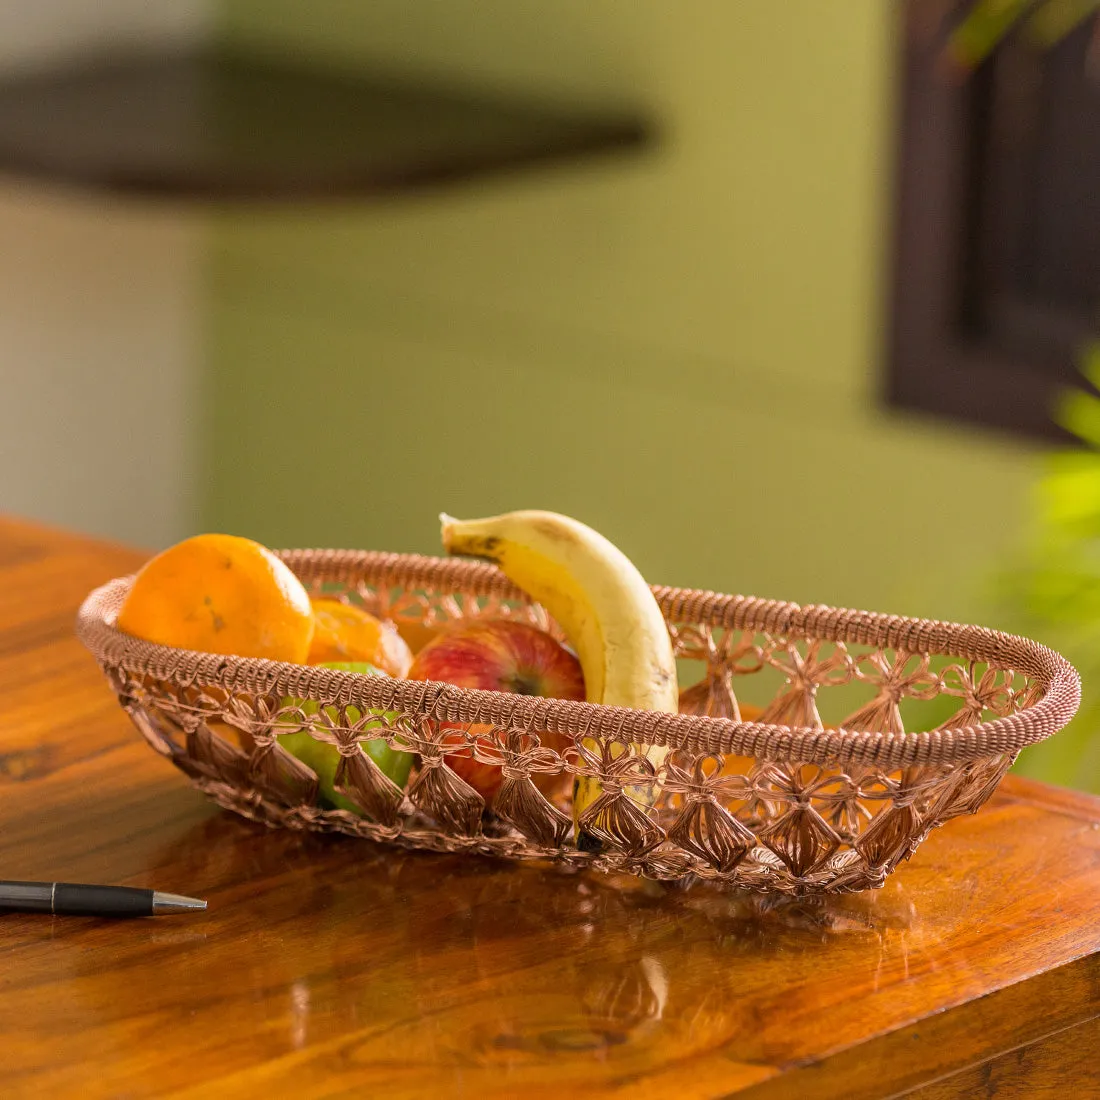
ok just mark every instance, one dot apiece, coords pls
pixel 789 802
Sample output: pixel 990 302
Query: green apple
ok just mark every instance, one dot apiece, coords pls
pixel 323 758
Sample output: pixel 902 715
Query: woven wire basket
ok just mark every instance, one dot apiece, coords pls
pixel 780 803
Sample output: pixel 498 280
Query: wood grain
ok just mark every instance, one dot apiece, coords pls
pixel 1064 1064
pixel 327 966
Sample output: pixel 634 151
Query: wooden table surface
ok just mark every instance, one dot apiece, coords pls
pixel 328 967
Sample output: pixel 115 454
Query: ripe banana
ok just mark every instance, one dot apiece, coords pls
pixel 601 602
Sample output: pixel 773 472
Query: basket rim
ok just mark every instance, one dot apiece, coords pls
pixel 1059 681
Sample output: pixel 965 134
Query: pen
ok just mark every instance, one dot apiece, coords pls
pixel 76 899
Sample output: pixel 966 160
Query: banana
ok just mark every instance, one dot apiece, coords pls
pixel 602 603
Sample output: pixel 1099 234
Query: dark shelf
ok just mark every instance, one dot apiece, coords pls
pixel 232 127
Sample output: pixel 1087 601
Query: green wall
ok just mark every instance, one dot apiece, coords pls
pixel 681 348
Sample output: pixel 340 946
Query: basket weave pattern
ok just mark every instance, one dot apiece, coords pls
pixel 776 804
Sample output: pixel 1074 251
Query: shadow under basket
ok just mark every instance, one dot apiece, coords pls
pixel 781 803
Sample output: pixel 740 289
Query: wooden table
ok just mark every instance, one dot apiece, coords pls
pixel 328 967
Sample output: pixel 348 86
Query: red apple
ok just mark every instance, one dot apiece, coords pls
pixel 499 655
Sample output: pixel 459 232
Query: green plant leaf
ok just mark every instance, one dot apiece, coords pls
pixel 1053 20
pixel 1069 493
pixel 1051 589
pixel 983 28
pixel 988 22
pixel 1079 412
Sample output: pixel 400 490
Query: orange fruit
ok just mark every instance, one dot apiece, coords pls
pixel 346 633
pixel 220 594
pixel 418 634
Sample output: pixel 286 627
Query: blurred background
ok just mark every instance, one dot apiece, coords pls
pixel 790 299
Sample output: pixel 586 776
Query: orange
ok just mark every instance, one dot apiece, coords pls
pixel 348 633
pixel 220 594
pixel 417 634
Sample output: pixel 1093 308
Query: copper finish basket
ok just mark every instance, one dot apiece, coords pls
pixel 776 804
